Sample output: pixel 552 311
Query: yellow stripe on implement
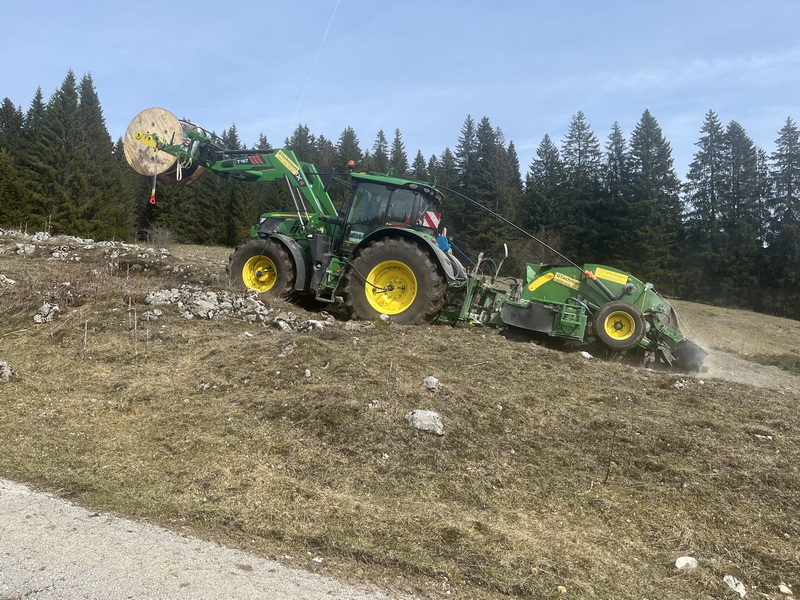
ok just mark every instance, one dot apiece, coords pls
pixel 620 278
pixel 539 281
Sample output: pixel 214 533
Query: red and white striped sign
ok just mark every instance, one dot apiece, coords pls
pixel 431 219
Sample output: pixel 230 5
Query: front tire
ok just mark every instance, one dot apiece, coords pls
pixel 264 266
pixel 394 276
pixel 619 325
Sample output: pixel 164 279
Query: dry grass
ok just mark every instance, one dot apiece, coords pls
pixel 553 471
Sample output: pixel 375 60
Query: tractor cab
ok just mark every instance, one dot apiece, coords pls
pixel 381 201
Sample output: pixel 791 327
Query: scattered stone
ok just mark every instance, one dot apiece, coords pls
pixel 194 303
pixel 151 315
pixel 431 384
pixel 736 585
pixel 681 384
pixel 358 327
pixel 7 372
pixel 162 297
pixel 786 590
pixel 285 321
pixel 763 438
pixel 288 349
pixel 313 325
pixel 307 373
pixel 425 420
pixel 46 313
pixel 687 564
pixel 586 355
pixel 6 280
pixel 25 249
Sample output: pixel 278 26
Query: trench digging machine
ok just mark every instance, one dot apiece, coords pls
pixel 384 252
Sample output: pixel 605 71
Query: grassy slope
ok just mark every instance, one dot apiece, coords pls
pixel 554 470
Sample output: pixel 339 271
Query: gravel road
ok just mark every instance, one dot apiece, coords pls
pixel 51 549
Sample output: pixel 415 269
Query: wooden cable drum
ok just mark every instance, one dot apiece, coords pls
pixel 140 156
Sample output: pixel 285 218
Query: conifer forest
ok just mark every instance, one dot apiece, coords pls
pixel 727 232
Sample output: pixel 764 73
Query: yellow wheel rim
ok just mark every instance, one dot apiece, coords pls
pixel 259 273
pixel 391 287
pixel 619 325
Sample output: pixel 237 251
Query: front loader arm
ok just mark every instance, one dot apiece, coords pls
pixel 247 165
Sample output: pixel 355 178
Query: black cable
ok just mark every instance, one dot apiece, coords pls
pixel 507 222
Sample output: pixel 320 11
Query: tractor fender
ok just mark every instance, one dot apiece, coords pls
pixel 302 272
pixel 450 265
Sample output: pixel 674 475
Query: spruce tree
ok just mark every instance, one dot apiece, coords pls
pixel 446 173
pixel 379 157
pixel 398 159
pixel 580 153
pixel 419 168
pixel 655 243
pixel 13 196
pixel 741 254
pixel 11 121
pixel 615 217
pixel 704 204
pixel 466 155
pixel 53 161
pixel 348 149
pixel 105 212
pixel 303 144
pixel 784 234
pixel 544 186
pixel 263 143
pixel 582 161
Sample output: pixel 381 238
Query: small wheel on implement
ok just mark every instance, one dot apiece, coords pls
pixel 619 325
pixel 263 266
pixel 394 276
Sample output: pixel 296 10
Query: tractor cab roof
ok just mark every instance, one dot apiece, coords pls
pixel 423 187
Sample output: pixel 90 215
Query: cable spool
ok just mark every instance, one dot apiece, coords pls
pixel 141 156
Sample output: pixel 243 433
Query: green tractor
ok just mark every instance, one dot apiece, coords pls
pixel 383 253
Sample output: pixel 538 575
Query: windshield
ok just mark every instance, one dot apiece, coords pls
pixel 376 205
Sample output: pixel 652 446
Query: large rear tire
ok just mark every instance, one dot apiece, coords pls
pixel 394 276
pixel 619 325
pixel 263 266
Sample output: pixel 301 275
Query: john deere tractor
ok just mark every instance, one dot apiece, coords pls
pixel 382 252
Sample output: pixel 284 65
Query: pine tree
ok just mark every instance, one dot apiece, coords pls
pixel 544 185
pixel 263 143
pixel 784 234
pixel 655 244
pixel 615 216
pixel 741 249
pixel 786 175
pixel 703 200
pixel 419 168
pixel 104 211
pixel 11 121
pixel 446 173
pixel 582 161
pixel 580 153
pixel 35 115
pixel 379 157
pixel 398 159
pixel 467 155
pixel 52 163
pixel 13 196
pixel 348 149
pixel 705 185
pixel 303 144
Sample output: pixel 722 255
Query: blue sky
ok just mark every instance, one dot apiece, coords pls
pixel 419 66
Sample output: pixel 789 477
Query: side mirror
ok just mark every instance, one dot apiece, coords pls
pixel 328 178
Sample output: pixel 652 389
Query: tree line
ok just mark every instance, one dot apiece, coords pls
pixel 729 233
